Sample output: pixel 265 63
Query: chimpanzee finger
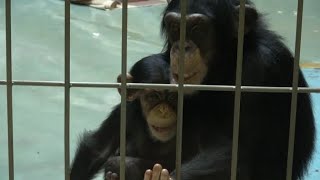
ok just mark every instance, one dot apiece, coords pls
pixel 114 176
pixel 156 172
pixel 108 175
pixel 147 175
pixel 164 175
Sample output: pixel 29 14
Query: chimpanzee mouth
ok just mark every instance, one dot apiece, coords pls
pixel 185 76
pixel 162 129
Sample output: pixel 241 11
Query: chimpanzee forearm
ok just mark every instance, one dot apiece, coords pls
pixel 87 161
pixel 135 167
pixel 212 163
pixel 95 148
pixel 89 158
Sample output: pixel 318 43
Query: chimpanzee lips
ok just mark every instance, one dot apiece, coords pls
pixel 162 129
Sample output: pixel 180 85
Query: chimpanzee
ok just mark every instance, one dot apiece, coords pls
pixel 210 59
pixel 151 129
pixel 211 51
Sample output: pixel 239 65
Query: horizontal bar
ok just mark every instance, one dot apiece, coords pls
pixel 62 84
pixel 308 90
pixel 266 89
pixel 37 83
pixel 152 86
pixel 95 85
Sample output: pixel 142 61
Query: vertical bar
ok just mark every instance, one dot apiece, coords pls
pixel 183 9
pixel 67 91
pixel 9 89
pixel 294 90
pixel 237 98
pixel 123 89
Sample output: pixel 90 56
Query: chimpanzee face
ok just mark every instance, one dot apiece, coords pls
pixel 159 109
pixel 198 47
pixel 204 28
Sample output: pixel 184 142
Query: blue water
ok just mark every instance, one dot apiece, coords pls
pixel 38 54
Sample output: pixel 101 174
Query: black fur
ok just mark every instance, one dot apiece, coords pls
pixel 208 116
pixel 264 118
pixel 100 148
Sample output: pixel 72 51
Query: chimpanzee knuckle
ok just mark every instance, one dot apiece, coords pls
pixel 114 176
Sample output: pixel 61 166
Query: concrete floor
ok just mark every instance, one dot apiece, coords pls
pixel 38 54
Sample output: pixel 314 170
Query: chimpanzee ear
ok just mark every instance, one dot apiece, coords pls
pixel 132 94
pixel 251 17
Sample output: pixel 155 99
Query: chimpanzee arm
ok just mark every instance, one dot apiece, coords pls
pixel 211 163
pixel 135 167
pixel 95 148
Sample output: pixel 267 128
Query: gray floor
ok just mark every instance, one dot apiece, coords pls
pixel 38 54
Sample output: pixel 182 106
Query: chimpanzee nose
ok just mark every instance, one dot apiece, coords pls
pixel 187 47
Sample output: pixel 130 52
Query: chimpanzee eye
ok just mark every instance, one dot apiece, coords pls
pixel 153 97
pixel 173 97
pixel 195 30
pixel 199 31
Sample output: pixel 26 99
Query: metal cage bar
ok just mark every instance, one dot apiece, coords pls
pixel 294 94
pixel 237 97
pixel 9 89
pixel 123 89
pixel 67 90
pixel 183 9
pixel 67 84
pixel 261 89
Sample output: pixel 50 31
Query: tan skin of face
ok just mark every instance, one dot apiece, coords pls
pixel 160 115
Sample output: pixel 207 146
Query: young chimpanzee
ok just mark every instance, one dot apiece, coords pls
pixel 210 58
pixel 151 129
pixel 150 138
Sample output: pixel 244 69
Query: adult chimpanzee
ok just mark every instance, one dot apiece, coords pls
pixel 151 128
pixel 210 58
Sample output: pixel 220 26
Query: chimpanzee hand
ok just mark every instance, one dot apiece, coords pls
pixel 111 176
pixel 157 173
pixel 135 168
